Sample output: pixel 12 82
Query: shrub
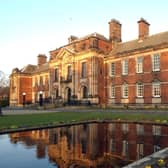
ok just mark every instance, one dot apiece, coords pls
pixel 4 103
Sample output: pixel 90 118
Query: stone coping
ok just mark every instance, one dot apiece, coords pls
pixel 61 124
pixel 73 122
pixel 149 160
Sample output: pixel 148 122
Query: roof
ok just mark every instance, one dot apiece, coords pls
pixel 28 69
pixel 34 68
pixel 137 45
pixel 42 68
pixel 95 34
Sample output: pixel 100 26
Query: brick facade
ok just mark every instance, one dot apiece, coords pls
pixel 99 70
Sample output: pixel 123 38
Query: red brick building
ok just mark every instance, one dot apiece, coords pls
pixel 99 70
pixel 30 83
pixel 137 71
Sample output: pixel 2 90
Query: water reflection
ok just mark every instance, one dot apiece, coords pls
pixel 103 145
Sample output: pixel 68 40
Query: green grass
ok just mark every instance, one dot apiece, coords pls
pixel 29 120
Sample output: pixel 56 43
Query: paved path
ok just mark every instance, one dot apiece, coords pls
pixel 13 111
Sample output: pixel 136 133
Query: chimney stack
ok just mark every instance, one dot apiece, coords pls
pixel 41 59
pixel 72 38
pixel 143 28
pixel 115 31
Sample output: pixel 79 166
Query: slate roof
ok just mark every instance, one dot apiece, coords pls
pixel 42 68
pixel 137 45
pixel 95 34
pixel 28 69
pixel 31 69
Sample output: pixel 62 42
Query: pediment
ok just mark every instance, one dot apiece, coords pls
pixel 65 55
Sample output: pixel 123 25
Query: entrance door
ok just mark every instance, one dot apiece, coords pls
pixel 68 95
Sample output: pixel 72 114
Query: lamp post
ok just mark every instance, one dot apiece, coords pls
pixel 41 98
pixel 24 98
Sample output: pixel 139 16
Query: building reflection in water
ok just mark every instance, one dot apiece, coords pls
pixel 96 145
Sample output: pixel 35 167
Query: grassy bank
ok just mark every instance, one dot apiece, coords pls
pixel 29 120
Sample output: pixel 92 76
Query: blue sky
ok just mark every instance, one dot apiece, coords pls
pixel 30 27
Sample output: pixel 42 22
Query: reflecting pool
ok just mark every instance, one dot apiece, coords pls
pixel 95 145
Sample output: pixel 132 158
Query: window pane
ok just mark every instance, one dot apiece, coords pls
pixel 140 89
pixel 56 75
pixel 125 91
pixel 156 89
pixel 140 129
pixel 69 73
pixel 139 65
pixel 112 91
pixel 125 67
pixel 156 130
pixel 112 69
pixel 140 150
pixel 156 62
pixel 83 71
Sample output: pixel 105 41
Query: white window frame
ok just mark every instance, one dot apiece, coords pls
pixel 125 67
pixel 113 145
pixel 156 90
pixel 125 127
pixel 112 69
pixel 140 150
pixel 112 91
pixel 156 62
pixel 140 129
pixel 156 130
pixel 125 90
pixel 139 90
pixel 125 146
pixel 139 65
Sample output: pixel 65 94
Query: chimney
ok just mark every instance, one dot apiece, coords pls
pixel 41 59
pixel 143 28
pixel 115 31
pixel 72 38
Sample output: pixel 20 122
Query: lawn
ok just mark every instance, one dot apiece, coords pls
pixel 31 120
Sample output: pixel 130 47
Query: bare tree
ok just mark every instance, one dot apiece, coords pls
pixel 4 81
pixel 4 90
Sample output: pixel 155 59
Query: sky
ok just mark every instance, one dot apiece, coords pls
pixel 32 27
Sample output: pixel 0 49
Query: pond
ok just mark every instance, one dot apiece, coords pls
pixel 94 145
